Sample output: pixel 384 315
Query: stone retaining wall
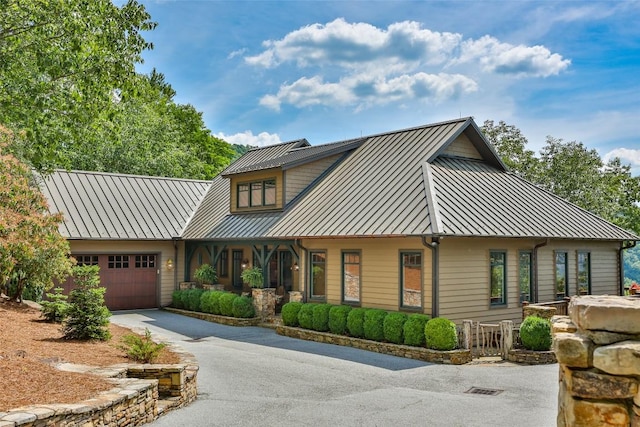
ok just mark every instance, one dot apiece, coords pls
pixel 598 349
pixel 453 357
pixel 530 357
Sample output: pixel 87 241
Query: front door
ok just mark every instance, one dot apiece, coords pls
pixel 237 269
pixel 286 271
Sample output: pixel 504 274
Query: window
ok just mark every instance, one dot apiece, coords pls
pixel 562 275
pixel 525 275
pixel 258 193
pixel 411 279
pixel 223 264
pixel 145 261
pixel 118 261
pixel 351 277
pixel 86 259
pixel 318 274
pixel 584 273
pixel 498 277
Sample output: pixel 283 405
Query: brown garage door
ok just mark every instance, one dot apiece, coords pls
pixel 131 280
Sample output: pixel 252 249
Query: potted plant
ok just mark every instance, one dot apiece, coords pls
pixel 253 277
pixel 206 275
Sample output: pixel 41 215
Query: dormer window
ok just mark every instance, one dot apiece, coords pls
pixel 257 193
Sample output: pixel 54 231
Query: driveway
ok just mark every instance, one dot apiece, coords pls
pixel 251 376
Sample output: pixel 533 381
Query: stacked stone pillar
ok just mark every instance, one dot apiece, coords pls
pixel 598 349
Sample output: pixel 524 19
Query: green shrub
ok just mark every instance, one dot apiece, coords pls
pixel 176 299
pixel 355 322
pixel 441 334
pixel 206 274
pixel 393 327
pixel 243 308
pixel 226 303
pixel 87 316
pixel 191 299
pixel 414 329
pixel 338 319
pixel 210 302
pixel 55 309
pixel 374 324
pixel 321 317
pixel 141 349
pixel 290 313
pixel 535 333
pixel 305 316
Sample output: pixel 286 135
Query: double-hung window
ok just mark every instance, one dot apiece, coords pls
pixel 411 279
pixel 498 277
pixel 562 275
pixel 351 276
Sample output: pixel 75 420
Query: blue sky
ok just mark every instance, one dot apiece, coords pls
pixel 264 72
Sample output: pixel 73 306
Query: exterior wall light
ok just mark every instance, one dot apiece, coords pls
pixel 170 264
pixel 245 263
pixel 295 267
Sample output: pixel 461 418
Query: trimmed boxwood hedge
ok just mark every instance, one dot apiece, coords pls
pixel 535 333
pixel 242 308
pixel 355 322
pixel 176 299
pixel 210 302
pixel 320 317
pixel 191 300
pixel 414 329
pixel 226 304
pixel 338 319
pixel 374 324
pixel 305 316
pixel 290 313
pixel 441 334
pixel 393 327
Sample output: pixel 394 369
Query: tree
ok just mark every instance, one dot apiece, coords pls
pixel 87 318
pixel 32 251
pixel 511 144
pixel 61 63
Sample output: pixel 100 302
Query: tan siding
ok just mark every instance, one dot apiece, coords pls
pixel 164 248
pixel 299 178
pixel 257 176
pixel 462 147
pixel 605 270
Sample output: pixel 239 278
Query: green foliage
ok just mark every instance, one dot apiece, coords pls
pixel 393 327
pixel 242 307
pixel 305 316
pixel 338 319
pixel 191 299
pixel 632 265
pixel 253 276
pixel 535 333
pixel 141 349
pixel 56 306
pixel 374 324
pixel 290 313
pixel 176 299
pixel 210 302
pixel 320 317
pixel 206 274
pixel 413 329
pixel 226 303
pixel 87 317
pixel 441 334
pixel 355 322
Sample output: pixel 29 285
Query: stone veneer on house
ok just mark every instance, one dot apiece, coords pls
pixel 598 349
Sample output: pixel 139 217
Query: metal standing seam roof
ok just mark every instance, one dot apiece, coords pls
pixel 105 206
pixel 262 154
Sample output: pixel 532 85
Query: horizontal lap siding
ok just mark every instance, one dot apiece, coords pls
pixel 462 147
pixel 380 271
pixel 298 178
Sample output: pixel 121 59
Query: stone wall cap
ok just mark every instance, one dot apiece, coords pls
pixel 606 312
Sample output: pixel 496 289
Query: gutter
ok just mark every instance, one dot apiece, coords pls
pixel 434 246
pixel 632 244
pixel 298 243
pixel 534 261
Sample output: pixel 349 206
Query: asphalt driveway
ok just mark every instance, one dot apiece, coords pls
pixel 251 376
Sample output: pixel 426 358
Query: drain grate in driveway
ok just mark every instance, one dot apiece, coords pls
pixel 484 391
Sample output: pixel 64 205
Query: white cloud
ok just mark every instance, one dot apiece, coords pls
pixel 238 52
pixel 504 58
pixel 248 138
pixel 626 155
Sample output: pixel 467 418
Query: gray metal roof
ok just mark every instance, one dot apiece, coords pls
pixel 260 155
pixel 475 199
pixel 114 206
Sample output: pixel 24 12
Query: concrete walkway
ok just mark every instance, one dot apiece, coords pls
pixel 253 377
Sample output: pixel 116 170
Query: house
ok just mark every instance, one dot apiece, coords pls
pixel 426 219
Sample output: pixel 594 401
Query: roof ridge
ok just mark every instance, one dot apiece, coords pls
pixel 127 175
pixel 292 142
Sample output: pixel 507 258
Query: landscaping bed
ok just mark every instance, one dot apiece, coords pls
pixel 216 318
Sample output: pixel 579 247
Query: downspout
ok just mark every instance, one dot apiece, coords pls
pixel 534 261
pixel 621 261
pixel 298 243
pixel 434 247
